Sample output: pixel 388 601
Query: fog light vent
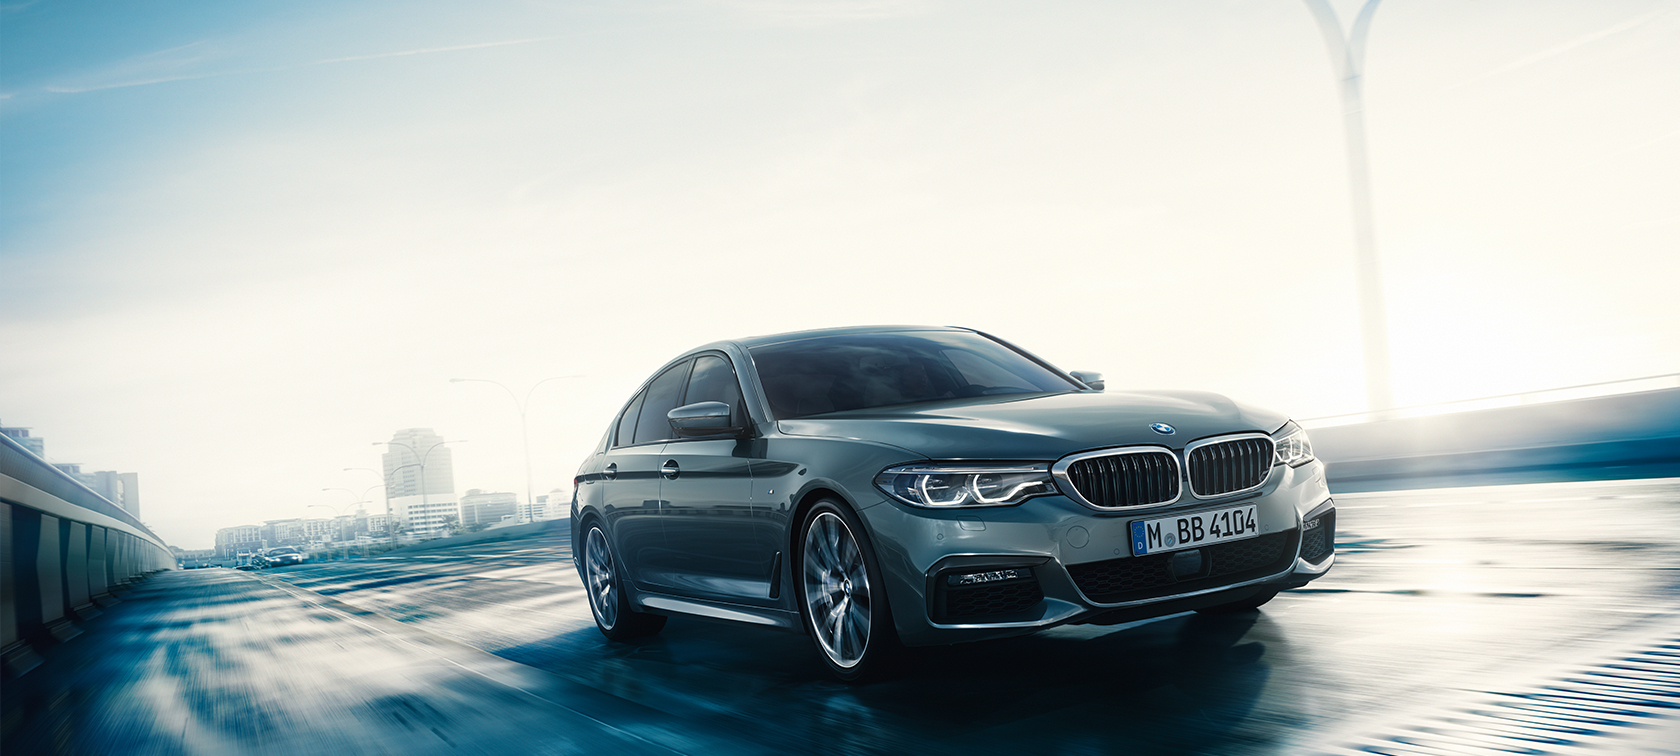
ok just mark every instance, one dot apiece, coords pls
pixel 994 576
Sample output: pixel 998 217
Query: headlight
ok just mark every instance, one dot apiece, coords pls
pixel 955 484
pixel 1293 448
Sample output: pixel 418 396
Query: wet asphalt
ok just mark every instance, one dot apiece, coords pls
pixel 1533 618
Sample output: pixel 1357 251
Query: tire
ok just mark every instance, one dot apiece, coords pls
pixel 842 597
pixel 1246 605
pixel 608 601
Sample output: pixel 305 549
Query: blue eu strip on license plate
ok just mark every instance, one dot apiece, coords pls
pixel 1189 531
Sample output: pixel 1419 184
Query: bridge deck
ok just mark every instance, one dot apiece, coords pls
pixel 219 662
pixel 1538 618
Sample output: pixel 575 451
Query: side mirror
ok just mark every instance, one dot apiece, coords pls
pixel 1094 380
pixel 701 419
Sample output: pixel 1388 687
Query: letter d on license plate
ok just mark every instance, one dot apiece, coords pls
pixel 1189 531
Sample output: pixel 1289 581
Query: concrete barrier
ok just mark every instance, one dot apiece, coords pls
pixel 562 527
pixel 1624 435
pixel 63 548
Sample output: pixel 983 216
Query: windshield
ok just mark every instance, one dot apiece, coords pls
pixel 862 371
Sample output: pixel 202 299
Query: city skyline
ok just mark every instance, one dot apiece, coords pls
pixel 239 245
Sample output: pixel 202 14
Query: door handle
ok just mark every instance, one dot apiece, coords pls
pixel 611 473
pixel 669 470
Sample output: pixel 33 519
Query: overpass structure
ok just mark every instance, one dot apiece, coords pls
pixel 63 550
pixel 1524 438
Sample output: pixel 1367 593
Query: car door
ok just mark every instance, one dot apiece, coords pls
pixel 712 526
pixel 630 477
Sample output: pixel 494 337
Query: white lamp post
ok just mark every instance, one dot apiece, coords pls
pixel 524 429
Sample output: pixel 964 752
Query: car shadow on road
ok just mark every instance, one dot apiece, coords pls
pixel 1183 684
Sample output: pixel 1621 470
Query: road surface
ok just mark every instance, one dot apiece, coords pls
pixel 1539 618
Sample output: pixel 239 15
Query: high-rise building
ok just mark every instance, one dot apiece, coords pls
pixel 416 463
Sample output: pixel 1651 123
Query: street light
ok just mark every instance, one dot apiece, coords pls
pixel 524 429
pixel 1347 54
pixel 390 529
pixel 362 499
pixel 425 500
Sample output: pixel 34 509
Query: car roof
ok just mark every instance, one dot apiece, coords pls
pixel 778 338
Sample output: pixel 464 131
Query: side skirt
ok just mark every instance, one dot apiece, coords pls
pixel 719 610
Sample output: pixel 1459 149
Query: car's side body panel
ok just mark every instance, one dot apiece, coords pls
pixel 712 545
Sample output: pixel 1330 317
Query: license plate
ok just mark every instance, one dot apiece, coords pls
pixel 1192 530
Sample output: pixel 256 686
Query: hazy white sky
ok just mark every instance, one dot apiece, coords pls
pixel 241 242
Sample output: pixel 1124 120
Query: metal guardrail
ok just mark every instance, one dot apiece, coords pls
pixel 1561 394
pixel 19 463
pixel 64 549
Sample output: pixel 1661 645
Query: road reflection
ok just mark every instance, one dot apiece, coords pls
pixel 1447 610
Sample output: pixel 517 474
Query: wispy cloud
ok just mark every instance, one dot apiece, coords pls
pixel 115 79
pixel 430 50
pixel 1553 52
pixel 78 89
pixel 812 12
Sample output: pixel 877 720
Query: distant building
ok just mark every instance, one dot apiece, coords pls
pixel 35 444
pixel 480 508
pixel 425 516
pixel 533 511
pixel 74 470
pixel 130 501
pixel 243 538
pixel 121 489
pixel 192 556
pixel 291 531
pixel 411 451
pixel 552 506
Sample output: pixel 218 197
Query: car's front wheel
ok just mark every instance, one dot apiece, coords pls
pixel 607 599
pixel 842 597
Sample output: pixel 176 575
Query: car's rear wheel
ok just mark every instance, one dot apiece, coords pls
pixel 1248 604
pixel 842 597
pixel 607 598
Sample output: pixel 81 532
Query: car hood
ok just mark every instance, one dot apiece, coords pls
pixel 1041 426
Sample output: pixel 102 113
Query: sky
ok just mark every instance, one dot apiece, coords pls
pixel 240 243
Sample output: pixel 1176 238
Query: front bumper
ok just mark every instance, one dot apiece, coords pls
pixel 1061 562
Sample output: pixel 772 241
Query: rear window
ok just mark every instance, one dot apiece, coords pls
pixel 863 371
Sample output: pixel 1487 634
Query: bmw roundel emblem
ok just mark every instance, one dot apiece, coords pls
pixel 1163 429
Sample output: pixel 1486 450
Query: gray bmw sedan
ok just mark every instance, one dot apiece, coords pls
pixel 885 487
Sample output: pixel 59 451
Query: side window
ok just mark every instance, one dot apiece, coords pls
pixel 627 421
pixel 713 380
pixel 662 397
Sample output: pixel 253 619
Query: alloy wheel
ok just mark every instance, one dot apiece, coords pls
pixel 837 594
pixel 603 587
